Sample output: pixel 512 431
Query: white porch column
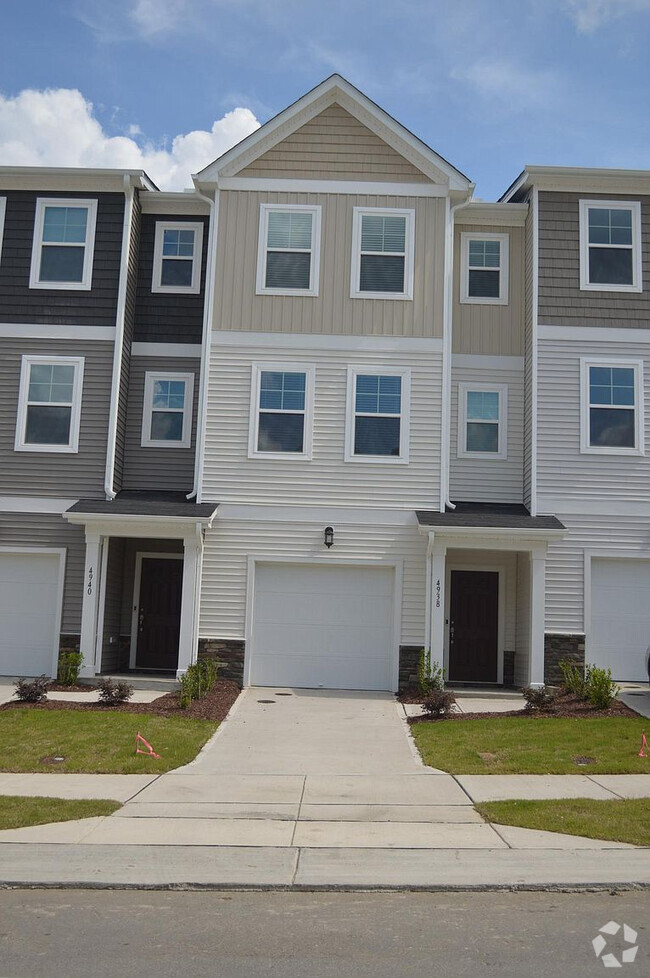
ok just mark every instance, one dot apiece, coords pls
pixel 438 568
pixel 537 616
pixel 189 630
pixel 90 606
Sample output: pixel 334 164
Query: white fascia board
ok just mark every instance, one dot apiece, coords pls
pixel 189 203
pixel 493 215
pixel 44 331
pixel 310 341
pixel 483 537
pixel 594 334
pixel 178 351
pixel 580 179
pixel 35 504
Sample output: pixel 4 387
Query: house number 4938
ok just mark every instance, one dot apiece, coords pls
pixel 438 589
pixel 89 588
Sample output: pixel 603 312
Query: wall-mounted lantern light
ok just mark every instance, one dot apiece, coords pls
pixel 328 538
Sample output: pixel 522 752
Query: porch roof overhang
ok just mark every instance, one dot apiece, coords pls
pixel 140 513
pixel 492 521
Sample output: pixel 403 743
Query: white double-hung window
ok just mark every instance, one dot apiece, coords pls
pixel 484 268
pixel 64 241
pixel 482 421
pixel 288 249
pixel 281 410
pixel 612 406
pixel 378 415
pixel 167 413
pixel 382 253
pixel 610 245
pixel 49 404
pixel 177 257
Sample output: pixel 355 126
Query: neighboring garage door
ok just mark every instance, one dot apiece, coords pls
pixel 29 613
pixel 620 617
pixel 323 626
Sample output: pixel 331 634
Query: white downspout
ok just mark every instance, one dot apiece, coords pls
pixel 118 345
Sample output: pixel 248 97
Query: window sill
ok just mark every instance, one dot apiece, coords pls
pixel 472 300
pixel 49 449
pixel 382 295
pixel 176 289
pixel 587 287
pixel 309 293
pixel 483 456
pixel 594 450
pixel 377 459
pixel 62 286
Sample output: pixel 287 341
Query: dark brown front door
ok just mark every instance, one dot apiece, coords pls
pixel 159 613
pixel 474 627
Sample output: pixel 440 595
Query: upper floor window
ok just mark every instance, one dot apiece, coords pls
pixel 484 268
pixel 610 245
pixel 3 206
pixel 281 410
pixel 288 249
pixel 612 407
pixel 378 415
pixel 382 254
pixel 64 241
pixel 49 404
pixel 482 421
pixel 177 257
pixel 167 412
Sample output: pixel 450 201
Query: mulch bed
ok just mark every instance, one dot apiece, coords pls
pixel 75 688
pixel 214 706
pixel 564 705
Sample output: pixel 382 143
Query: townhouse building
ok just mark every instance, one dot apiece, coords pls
pixel 321 412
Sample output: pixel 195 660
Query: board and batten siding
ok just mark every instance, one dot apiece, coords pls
pixel 229 543
pixel 156 468
pixel 334 146
pixel 95 307
pixel 562 469
pixel 236 306
pixel 561 303
pixel 498 480
pixel 489 328
pixel 229 475
pixel 57 474
pixel 49 530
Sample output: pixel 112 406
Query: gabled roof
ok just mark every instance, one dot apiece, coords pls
pixel 335 89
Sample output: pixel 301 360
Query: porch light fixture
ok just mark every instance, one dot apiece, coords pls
pixel 328 538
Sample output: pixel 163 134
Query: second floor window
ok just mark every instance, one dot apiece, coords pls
pixel 281 410
pixel 382 254
pixel 610 245
pixel 177 257
pixel 64 239
pixel 288 250
pixel 482 421
pixel 612 419
pixel 167 410
pixel 484 268
pixel 377 426
pixel 49 404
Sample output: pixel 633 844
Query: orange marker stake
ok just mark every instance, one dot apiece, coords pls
pixel 644 747
pixel 139 739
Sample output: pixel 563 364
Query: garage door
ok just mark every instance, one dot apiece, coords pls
pixel 620 617
pixel 29 613
pixel 322 626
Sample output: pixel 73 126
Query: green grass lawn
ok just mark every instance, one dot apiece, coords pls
pixel 95 742
pixel 624 820
pixel 524 745
pixel 16 812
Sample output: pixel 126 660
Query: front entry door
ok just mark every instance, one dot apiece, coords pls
pixel 474 627
pixel 159 613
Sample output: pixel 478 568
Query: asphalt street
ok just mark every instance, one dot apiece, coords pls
pixel 92 934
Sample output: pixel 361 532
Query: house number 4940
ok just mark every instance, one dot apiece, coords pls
pixel 89 589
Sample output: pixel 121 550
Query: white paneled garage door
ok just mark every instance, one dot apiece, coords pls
pixel 29 613
pixel 323 626
pixel 620 617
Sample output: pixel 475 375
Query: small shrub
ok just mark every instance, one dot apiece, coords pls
pixel 431 675
pixel 538 697
pixel 113 693
pixel 573 678
pixel 197 681
pixel 439 702
pixel 70 663
pixel 600 688
pixel 32 690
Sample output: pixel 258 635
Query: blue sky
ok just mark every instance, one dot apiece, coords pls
pixel 169 84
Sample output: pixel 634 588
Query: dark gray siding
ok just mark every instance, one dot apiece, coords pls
pixel 164 317
pixel 50 530
pixel 20 304
pixel 561 303
pixel 111 653
pixel 157 468
pixel 52 474
pixel 129 322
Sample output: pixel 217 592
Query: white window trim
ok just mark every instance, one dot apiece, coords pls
pixel 504 268
pixel 256 377
pixel 405 414
pixel 161 227
pixel 150 378
pixel 639 406
pixel 409 253
pixel 20 445
pixel 314 269
pixel 500 389
pixel 89 246
pixel 637 273
pixel 3 208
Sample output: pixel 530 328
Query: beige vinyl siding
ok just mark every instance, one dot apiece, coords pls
pixel 157 468
pixel 334 146
pixel 50 530
pixel 236 305
pixel 231 476
pixel 561 303
pixel 489 328
pixel 230 542
pixel 528 358
pixel 562 470
pixel 522 634
pixel 57 474
pixel 494 480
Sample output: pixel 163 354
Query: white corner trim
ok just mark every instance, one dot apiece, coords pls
pixel 44 331
pixel 355 187
pixel 72 447
pixel 156 279
pixel 150 378
pixel 312 342
pixel 585 406
pixel 314 251
pixel 594 334
pixel 307 413
pixel 404 415
pixel 206 345
pixel 476 361
pixel 634 206
pixel 358 213
pixel 177 351
pixel 35 504
pixel 90 204
pixel 504 267
pixel 464 389
pixel 3 208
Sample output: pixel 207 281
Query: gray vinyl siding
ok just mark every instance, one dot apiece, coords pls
pixel 162 317
pixel 53 474
pixel 528 360
pixel 490 328
pixel 95 307
pixel 489 480
pixel 111 658
pixel 561 303
pixel 157 468
pixel 129 321
pixel 237 307
pixel 50 530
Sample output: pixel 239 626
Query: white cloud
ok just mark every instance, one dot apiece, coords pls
pixel 590 15
pixel 157 16
pixel 57 127
pixel 515 85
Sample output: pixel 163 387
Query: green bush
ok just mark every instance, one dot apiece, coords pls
pixel 600 688
pixel 197 681
pixel 113 693
pixel 573 678
pixel 538 697
pixel 70 663
pixel 431 676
